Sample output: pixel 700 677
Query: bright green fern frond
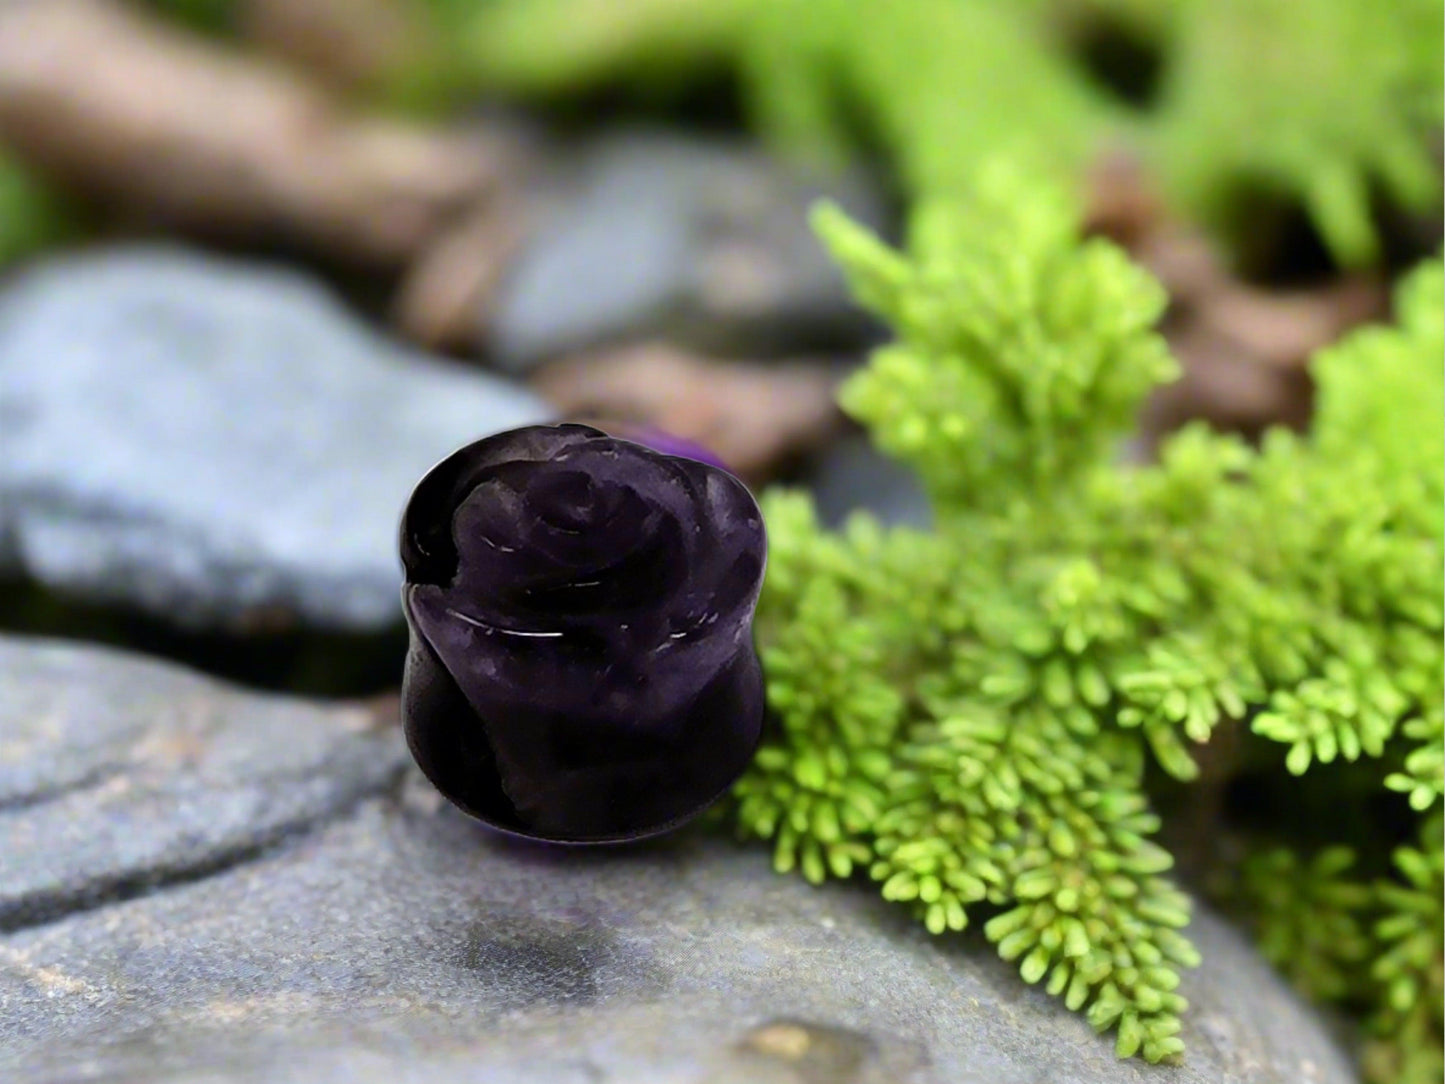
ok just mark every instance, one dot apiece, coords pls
pixel 1022 355
pixel 1010 807
pixel 904 747
pixel 1343 602
pixel 818 783
pixel 1380 394
pixel 966 714
pixel 1344 712
pixel 1187 683
pixel 1423 777
pixel 1090 910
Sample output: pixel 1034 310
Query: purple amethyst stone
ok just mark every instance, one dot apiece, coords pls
pixel 581 667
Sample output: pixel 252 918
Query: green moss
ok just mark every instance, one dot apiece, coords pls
pixel 966 713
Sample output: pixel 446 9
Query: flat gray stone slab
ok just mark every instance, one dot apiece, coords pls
pixel 211 440
pixel 389 939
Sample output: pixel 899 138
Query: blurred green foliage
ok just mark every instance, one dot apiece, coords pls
pixel 1328 102
pixel 1325 105
pixel 32 215
pixel 935 83
pixel 1370 944
pixel 966 713
pixel 211 16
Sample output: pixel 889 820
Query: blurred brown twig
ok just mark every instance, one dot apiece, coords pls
pixel 151 120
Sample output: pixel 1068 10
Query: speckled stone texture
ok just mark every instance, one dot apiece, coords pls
pixel 209 887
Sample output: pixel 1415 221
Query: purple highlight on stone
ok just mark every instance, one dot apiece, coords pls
pixel 661 441
pixel 581 666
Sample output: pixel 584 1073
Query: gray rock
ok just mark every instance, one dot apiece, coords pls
pixel 211 441
pixel 853 476
pixel 656 233
pixel 372 934
pixel 118 775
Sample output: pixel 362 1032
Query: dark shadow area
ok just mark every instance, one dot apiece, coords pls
pixel 1276 242
pixel 327 664
pixel 1330 804
pixel 1119 58
pixel 704 100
